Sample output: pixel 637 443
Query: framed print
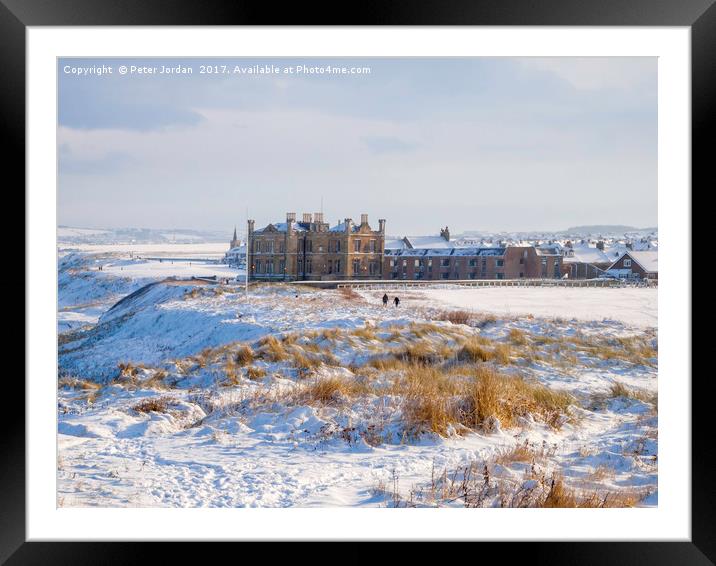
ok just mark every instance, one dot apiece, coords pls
pixel 396 280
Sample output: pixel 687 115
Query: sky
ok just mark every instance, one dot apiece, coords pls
pixel 493 144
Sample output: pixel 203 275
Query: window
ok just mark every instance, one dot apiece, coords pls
pixel 521 275
pixel 417 263
pixel 269 246
pixel 373 267
pixel 334 246
pixel 392 263
pixel 473 275
pixel 356 267
pixel 372 246
pixel 405 263
pixel 430 263
pixel 320 249
pixel 356 245
pixel 282 247
pixel 338 266
pixel 522 261
pixel 269 266
pixel 627 263
pixel 309 246
pixel 500 262
pixel 445 275
pixel 309 266
pixel 300 266
pixel 258 266
pixel 499 275
pixel 282 266
pixel 473 262
pixel 445 263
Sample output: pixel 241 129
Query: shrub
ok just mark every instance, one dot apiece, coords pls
pixel 349 294
pixel 253 372
pixel 244 355
pixel 273 349
pixel 455 317
pixel 517 337
pixel 156 405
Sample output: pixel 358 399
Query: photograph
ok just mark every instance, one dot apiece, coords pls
pixel 340 282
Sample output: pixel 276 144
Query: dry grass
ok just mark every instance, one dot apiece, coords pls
pixel 474 350
pixel 244 355
pixel 367 332
pixel 254 373
pixel 517 337
pixel 155 405
pixel 349 294
pixel 75 383
pixel 455 317
pixel 272 349
pixel 422 352
pixel 327 391
pixel 618 389
pixel 434 400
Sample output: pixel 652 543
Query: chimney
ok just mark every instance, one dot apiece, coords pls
pixel 307 217
pixel 381 224
pixel 600 245
pixel 363 219
pixel 348 224
pixel 250 226
pixel 629 246
pixel 290 219
pixel 445 233
pixel 318 217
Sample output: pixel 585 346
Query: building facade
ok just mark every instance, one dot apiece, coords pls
pixel 512 262
pixel 636 265
pixel 312 250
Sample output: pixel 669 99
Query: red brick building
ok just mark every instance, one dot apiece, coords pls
pixel 511 262
pixel 636 265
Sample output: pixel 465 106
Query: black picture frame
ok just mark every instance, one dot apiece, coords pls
pixel 17 15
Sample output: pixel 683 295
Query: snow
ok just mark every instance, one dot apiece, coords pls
pixel 634 306
pixel 213 447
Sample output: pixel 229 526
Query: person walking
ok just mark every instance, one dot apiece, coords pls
pixel 396 301
pixel 385 300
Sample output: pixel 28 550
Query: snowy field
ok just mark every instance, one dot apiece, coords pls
pixel 635 306
pixel 191 394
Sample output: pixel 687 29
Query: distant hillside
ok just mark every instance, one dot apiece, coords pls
pixel 606 229
pixel 73 235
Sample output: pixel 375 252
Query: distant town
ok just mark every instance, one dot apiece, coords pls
pixel 310 249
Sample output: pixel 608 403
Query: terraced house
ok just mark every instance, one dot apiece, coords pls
pixel 310 249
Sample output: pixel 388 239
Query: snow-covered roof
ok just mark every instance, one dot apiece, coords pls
pixel 433 242
pixel 418 252
pixel 281 227
pixel 649 261
pixel 586 254
pixel 341 227
pixel 395 244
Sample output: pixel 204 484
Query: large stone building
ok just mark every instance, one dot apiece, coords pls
pixel 310 249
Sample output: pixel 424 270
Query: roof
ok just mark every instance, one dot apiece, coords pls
pixel 341 227
pixel 587 254
pixel 418 252
pixel 648 261
pixel 433 242
pixel 281 227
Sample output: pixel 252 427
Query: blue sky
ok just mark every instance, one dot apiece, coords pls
pixel 474 143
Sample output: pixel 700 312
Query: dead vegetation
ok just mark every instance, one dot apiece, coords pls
pixel 153 405
pixel 455 317
pixel 478 485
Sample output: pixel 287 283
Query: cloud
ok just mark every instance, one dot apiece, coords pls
pixel 108 164
pixel 599 73
pixel 388 144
